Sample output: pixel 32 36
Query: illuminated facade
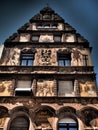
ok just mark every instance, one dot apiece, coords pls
pixel 47 81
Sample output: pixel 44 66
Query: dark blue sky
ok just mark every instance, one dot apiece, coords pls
pixel 81 14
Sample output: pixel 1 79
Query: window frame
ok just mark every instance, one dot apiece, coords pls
pixel 85 60
pixel 65 59
pixel 69 124
pixel 27 57
pixel 23 91
pixel 56 38
pixel 36 39
pixel 64 90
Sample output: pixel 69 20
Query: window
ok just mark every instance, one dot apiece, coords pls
pixel 20 123
pixel 27 59
pixel 47 26
pixel 35 38
pixel 39 26
pixel 65 89
pixel 67 124
pixel 85 60
pixel 57 38
pixel 54 26
pixel 64 59
pixel 23 88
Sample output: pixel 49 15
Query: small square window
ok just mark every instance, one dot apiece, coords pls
pixel 35 38
pixel 57 38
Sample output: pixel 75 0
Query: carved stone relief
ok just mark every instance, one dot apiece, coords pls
pixel 54 57
pixel 92 121
pixel 2 121
pixel 6 87
pixel 45 88
pixel 46 38
pixel 60 26
pixel 87 89
pixel 24 38
pixel 43 119
pixel 34 26
pixel 76 57
pixel 12 57
pixel 69 38
pixel 45 57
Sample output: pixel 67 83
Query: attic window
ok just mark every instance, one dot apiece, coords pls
pixel 23 88
pixel 35 38
pixel 54 26
pixel 57 38
pixel 47 26
pixel 39 26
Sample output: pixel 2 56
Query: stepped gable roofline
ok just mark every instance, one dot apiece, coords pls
pixel 81 38
pixel 13 38
pixel 47 14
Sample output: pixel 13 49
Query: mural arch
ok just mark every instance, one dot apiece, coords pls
pixel 92 113
pixel 44 117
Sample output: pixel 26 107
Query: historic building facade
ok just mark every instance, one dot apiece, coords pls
pixel 47 81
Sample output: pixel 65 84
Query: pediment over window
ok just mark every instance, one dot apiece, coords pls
pixel 28 50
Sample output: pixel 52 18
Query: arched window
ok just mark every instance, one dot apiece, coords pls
pixel 39 26
pixel 67 124
pixel 20 123
pixel 54 26
pixel 47 26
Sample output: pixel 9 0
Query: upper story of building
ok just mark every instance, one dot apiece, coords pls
pixel 48 57
pixel 46 40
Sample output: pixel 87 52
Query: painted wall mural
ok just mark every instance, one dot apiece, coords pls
pixel 45 57
pixel 76 57
pixel 43 119
pixel 46 38
pixel 45 88
pixel 2 121
pixel 12 57
pixel 94 123
pixel 6 87
pixel 87 89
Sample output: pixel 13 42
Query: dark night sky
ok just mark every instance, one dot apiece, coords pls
pixel 81 14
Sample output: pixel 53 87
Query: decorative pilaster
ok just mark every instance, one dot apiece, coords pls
pixel 55 88
pixel 76 88
pixel 34 86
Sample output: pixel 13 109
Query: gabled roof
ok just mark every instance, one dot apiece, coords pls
pixel 45 15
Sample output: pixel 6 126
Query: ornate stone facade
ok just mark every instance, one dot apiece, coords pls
pixel 47 80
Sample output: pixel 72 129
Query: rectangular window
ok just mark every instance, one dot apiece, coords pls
pixel 85 60
pixel 23 88
pixel 35 38
pixel 57 38
pixel 64 59
pixel 27 59
pixel 65 89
